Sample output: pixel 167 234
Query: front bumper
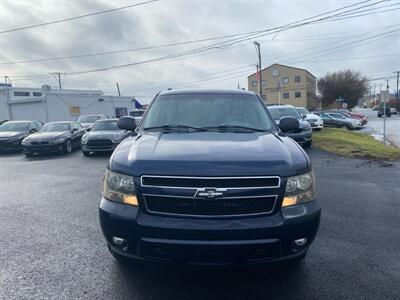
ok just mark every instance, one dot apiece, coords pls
pixel 301 137
pixel 225 241
pixel 99 148
pixel 6 146
pixel 48 148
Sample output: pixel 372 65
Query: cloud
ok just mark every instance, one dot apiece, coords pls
pixel 173 21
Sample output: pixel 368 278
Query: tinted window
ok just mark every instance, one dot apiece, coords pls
pixel 15 126
pixel 303 111
pixel 88 119
pixel 208 110
pixel 49 127
pixel 279 112
pixel 105 125
pixel 337 116
pixel 36 94
pixel 21 94
pixel 297 94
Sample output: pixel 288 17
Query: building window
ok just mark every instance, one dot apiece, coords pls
pixel 297 78
pixel 285 95
pixel 254 83
pixel 21 94
pixel 297 94
pixel 36 94
pixel 285 80
pixel 263 82
pixel 121 111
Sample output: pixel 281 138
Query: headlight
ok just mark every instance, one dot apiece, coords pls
pixel 58 141
pixel 117 138
pixel 119 188
pixel 85 137
pixel 299 189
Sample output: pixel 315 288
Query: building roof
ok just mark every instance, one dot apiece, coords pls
pixel 284 66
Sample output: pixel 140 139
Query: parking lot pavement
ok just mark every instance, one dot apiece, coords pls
pixel 51 245
pixel 376 124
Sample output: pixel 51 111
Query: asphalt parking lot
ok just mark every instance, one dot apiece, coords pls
pixel 51 245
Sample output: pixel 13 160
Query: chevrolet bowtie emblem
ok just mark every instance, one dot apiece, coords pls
pixel 209 193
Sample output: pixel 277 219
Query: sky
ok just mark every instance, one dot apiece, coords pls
pixel 369 44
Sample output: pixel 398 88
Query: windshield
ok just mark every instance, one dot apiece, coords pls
pixel 88 119
pixel 207 110
pixel 136 113
pixel 337 116
pixel 105 125
pixel 50 127
pixel 279 112
pixel 14 126
pixel 303 111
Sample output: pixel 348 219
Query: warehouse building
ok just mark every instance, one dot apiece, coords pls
pixel 46 104
pixel 285 85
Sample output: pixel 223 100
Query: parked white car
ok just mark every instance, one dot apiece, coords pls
pixel 87 121
pixel 315 121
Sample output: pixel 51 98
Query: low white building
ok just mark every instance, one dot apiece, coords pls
pixel 46 104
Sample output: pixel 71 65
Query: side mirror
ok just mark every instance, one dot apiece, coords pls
pixel 289 123
pixel 127 123
pixel 304 116
pixel 88 129
pixel 32 130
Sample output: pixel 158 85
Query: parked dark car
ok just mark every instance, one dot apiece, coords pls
pixel 13 132
pixel 54 137
pixel 381 113
pixel 104 136
pixel 302 135
pixel 208 178
pixel 87 121
pixel 337 119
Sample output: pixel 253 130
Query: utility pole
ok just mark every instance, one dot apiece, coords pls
pixel 58 74
pixel 384 113
pixel 119 92
pixel 397 91
pixel 7 81
pixel 258 50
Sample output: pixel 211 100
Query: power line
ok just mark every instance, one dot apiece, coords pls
pixel 78 17
pixel 224 44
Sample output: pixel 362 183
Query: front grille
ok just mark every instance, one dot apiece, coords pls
pixel 40 143
pixel 100 142
pixel 215 182
pixel 202 207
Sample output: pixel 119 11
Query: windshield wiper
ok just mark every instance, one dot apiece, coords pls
pixel 233 127
pixel 175 127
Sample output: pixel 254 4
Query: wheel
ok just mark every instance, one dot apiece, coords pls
pixel 68 146
pixel 317 129
pixel 344 127
pixel 86 153
pixel 307 144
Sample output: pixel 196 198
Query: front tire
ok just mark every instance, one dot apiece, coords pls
pixel 86 153
pixel 345 127
pixel 317 129
pixel 68 147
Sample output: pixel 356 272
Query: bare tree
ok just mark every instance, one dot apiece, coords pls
pixel 349 85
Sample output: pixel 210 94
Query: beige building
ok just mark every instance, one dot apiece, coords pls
pixel 286 85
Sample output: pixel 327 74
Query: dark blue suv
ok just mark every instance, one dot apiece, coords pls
pixel 207 178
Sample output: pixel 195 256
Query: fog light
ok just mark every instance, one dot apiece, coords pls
pixel 117 240
pixel 300 242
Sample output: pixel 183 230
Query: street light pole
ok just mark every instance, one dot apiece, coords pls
pixel 257 44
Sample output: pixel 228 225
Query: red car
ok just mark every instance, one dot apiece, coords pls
pixel 361 117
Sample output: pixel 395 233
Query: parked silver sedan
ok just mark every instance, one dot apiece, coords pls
pixel 104 136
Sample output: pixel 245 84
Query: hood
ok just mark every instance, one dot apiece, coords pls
pixel 47 136
pixel 105 134
pixel 312 117
pixel 11 134
pixel 87 125
pixel 209 154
